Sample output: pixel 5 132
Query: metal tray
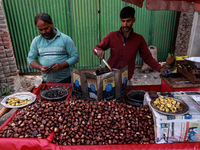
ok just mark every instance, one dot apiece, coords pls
pixel 44 93
pixel 184 111
pixel 22 95
pixel 194 61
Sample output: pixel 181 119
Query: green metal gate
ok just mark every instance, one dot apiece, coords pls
pixel 86 22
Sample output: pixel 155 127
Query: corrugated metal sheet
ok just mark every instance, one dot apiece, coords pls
pixel 85 24
pixel 81 21
pixel 164 25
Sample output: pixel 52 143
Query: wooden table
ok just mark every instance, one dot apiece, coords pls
pixel 176 82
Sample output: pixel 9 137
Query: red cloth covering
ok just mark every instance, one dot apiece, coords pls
pixel 197 6
pixel 176 5
pixel 138 3
pixel 168 5
pixel 43 144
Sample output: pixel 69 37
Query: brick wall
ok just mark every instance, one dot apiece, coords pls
pixel 184 31
pixel 9 73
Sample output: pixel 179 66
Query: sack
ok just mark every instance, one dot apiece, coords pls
pixel 146 68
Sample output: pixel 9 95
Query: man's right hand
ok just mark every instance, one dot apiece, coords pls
pixel 100 54
pixel 45 69
pixel 164 70
pixel 36 65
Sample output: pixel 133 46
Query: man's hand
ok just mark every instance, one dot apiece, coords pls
pixel 100 54
pixel 36 65
pixel 45 69
pixel 55 66
pixel 164 70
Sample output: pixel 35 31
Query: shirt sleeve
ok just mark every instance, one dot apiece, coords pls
pixel 104 44
pixel 72 51
pixel 33 53
pixel 147 56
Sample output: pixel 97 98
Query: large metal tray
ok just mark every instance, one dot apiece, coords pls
pixel 194 61
pixel 21 95
pixel 184 111
pixel 44 93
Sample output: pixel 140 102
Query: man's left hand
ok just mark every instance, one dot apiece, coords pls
pixel 55 66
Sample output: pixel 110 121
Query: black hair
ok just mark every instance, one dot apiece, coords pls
pixel 44 17
pixel 127 12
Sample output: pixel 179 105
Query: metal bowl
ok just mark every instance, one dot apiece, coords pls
pixel 136 96
pixel 183 104
pixel 21 95
pixel 195 61
pixel 54 94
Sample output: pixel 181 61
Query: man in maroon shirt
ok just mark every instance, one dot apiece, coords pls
pixel 124 45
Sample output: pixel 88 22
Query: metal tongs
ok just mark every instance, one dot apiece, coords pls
pixel 105 62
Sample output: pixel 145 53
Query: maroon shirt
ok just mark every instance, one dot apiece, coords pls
pixel 123 52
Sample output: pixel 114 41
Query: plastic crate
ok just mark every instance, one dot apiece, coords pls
pixel 37 90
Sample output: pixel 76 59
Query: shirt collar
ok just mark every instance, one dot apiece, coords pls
pixel 58 33
pixel 122 33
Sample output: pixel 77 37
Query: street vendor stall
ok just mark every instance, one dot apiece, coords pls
pixel 53 139
pixel 93 112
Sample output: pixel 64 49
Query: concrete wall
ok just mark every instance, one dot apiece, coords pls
pixel 184 32
pixel 9 73
pixel 194 44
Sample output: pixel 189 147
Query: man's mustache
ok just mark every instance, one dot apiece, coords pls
pixel 46 34
pixel 126 27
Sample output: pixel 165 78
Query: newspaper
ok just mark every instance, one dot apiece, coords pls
pixel 177 128
pixel 195 96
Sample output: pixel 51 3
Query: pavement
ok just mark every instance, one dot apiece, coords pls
pixel 139 78
pixel 26 81
pixel 145 78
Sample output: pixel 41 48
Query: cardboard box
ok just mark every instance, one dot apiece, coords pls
pixel 76 82
pixel 107 86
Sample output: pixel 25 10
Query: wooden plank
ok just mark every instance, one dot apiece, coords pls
pixel 173 82
pixel 186 74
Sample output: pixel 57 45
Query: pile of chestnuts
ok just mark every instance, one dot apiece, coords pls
pixel 33 121
pixel 79 122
